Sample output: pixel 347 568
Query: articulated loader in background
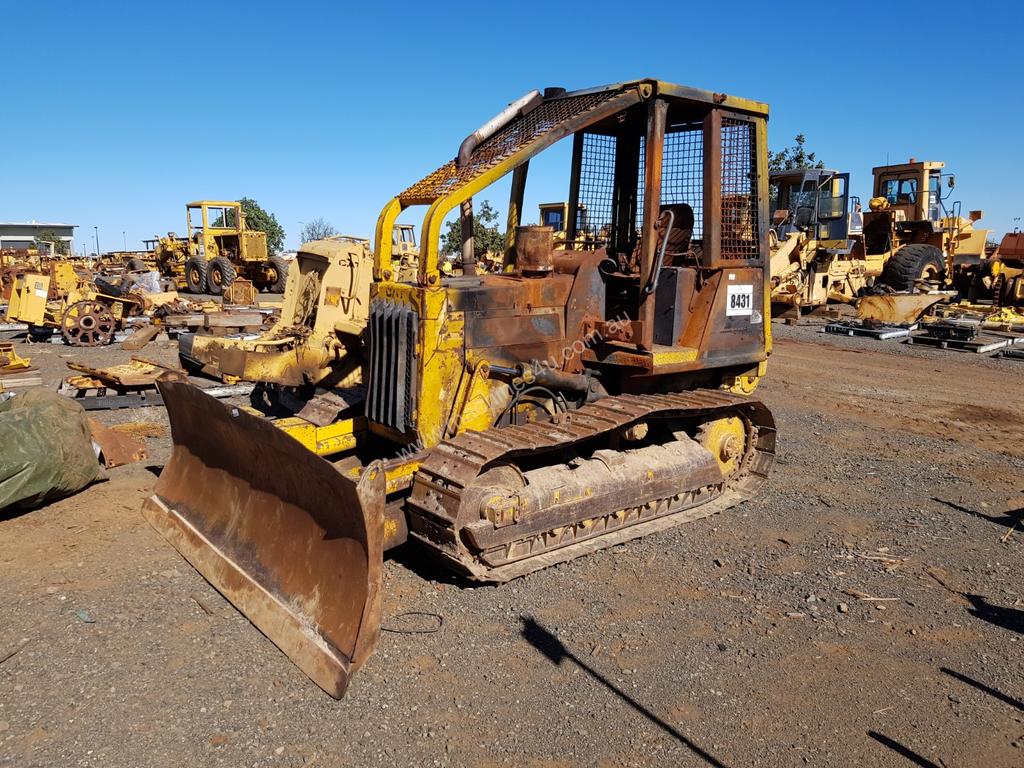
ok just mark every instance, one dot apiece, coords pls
pixel 217 249
pixel 516 420
pixel 920 239
pixel 556 216
pixel 815 241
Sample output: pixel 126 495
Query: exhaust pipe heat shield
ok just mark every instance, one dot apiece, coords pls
pixel 296 546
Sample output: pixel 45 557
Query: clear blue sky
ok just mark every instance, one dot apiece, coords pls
pixel 117 113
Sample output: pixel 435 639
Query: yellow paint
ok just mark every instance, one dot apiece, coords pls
pixel 324 441
pixel 28 299
pixel 725 439
pixel 673 355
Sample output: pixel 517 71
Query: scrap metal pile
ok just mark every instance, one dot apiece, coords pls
pixel 91 307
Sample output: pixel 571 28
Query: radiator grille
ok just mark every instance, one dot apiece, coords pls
pixel 391 398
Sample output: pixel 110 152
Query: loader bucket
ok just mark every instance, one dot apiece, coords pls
pixel 291 542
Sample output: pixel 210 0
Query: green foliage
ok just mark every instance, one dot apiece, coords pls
pixel 486 234
pixel 316 229
pixel 46 236
pixel 796 156
pixel 257 218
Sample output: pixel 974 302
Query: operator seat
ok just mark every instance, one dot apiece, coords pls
pixel 678 237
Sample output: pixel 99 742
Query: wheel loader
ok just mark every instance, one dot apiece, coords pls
pixel 514 420
pixel 218 248
pixel 815 241
pixel 555 215
pixel 919 237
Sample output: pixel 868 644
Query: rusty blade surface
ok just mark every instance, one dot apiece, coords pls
pixel 284 536
pixel 897 308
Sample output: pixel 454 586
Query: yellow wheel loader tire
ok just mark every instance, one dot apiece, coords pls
pixel 279 271
pixel 220 273
pixel 911 264
pixel 195 275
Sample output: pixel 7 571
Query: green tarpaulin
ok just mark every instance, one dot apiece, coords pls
pixel 45 449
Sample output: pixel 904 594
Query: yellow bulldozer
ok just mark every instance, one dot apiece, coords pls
pixel 217 248
pixel 511 420
pixel 922 240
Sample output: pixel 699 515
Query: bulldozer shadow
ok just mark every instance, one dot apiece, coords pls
pixel 555 651
pixel 1008 519
pixel 1011 619
pixel 993 692
pixel 421 562
pixel 901 750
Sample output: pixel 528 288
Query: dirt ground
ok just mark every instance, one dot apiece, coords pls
pixel 866 608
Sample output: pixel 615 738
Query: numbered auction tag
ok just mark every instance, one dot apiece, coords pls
pixel 739 300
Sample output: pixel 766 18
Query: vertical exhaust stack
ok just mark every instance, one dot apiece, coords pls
pixel 520 106
pixel 293 544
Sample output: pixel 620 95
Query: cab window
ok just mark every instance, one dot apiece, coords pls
pixel 900 191
pixel 221 218
pixel 934 197
pixel 798 196
pixel 553 219
pixel 832 198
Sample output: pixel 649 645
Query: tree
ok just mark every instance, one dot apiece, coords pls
pixel 46 236
pixel 796 156
pixel 316 229
pixel 486 235
pixel 259 219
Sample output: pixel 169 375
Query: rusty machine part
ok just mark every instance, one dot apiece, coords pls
pixel 899 308
pixel 535 250
pixel 116 448
pixel 593 393
pixel 11 361
pixel 322 316
pixel 88 324
pixel 267 531
pixel 1005 283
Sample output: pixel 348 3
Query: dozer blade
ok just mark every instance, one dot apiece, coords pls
pixel 283 535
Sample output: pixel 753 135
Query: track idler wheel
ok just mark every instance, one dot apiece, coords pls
pixel 726 440
pixel 88 324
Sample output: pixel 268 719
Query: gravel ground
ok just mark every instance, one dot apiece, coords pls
pixel 742 639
